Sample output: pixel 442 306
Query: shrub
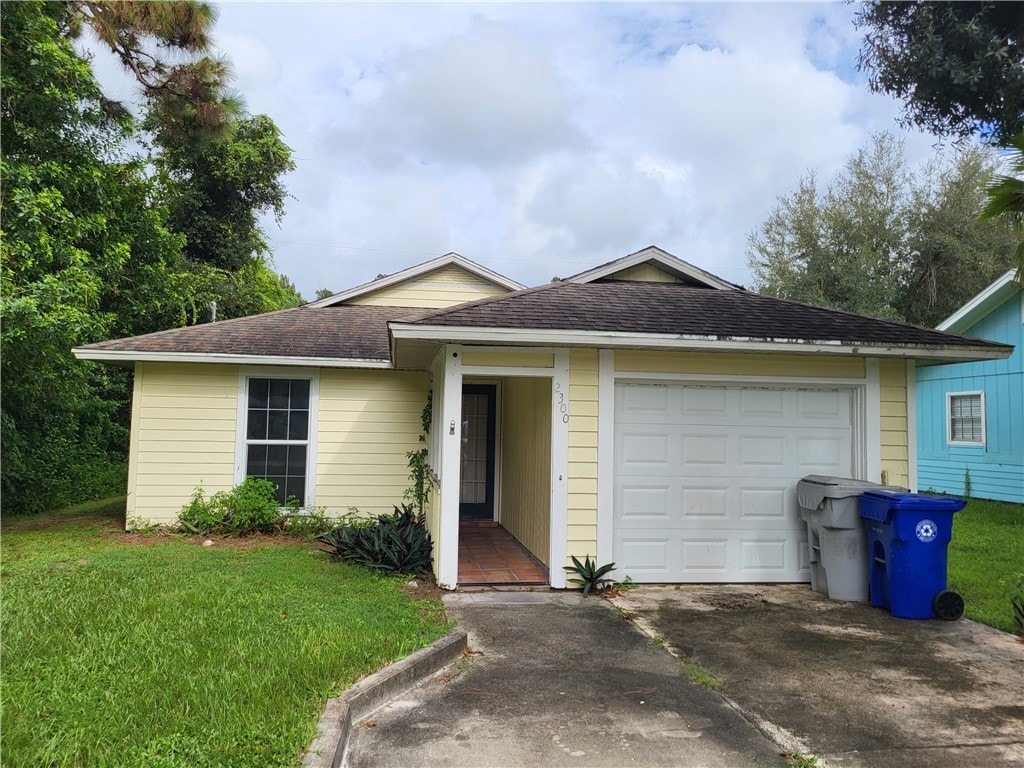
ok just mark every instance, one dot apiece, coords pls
pixel 1017 603
pixel 397 543
pixel 310 524
pixel 590 576
pixel 247 508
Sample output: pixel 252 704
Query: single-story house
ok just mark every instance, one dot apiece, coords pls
pixel 644 412
pixel 970 415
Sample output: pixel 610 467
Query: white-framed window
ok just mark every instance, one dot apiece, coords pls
pixel 965 418
pixel 277 414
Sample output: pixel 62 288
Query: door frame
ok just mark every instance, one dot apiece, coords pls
pixel 865 422
pixel 450 372
pixel 493 389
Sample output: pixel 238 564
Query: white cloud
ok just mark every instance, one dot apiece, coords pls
pixel 540 139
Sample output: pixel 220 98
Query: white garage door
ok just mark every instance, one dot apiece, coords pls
pixel 705 478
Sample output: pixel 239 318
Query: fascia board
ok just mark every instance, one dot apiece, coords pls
pixel 416 271
pixel 978 307
pixel 123 356
pixel 688 342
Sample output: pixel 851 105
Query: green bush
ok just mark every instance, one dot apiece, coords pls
pixel 311 523
pixel 397 543
pixel 247 508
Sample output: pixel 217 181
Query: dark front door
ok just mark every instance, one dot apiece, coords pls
pixel 476 486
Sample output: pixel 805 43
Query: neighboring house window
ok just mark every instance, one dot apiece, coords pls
pixel 965 417
pixel 278 426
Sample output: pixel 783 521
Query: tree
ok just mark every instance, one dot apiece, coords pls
pixel 1005 201
pixel 186 91
pixel 882 239
pixel 217 190
pixel 839 247
pixel 323 293
pixel 957 66
pixel 83 255
pixel 94 244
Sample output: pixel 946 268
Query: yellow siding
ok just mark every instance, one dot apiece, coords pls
pixel 368 421
pixel 738 365
pixel 582 508
pixel 895 461
pixel 644 273
pixel 508 357
pixel 525 462
pixel 183 436
pixel 442 287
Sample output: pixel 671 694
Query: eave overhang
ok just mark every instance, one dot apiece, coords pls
pixel 127 358
pixel 656 341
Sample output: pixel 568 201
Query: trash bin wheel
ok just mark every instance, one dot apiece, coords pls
pixel 948 606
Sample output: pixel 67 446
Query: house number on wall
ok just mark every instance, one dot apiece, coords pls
pixel 563 407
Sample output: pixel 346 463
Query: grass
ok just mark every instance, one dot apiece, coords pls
pixel 797 760
pixel 124 650
pixel 986 552
pixel 701 675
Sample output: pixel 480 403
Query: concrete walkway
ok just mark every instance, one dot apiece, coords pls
pixel 852 683
pixel 557 681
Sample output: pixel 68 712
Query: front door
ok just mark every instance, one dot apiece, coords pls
pixel 476 487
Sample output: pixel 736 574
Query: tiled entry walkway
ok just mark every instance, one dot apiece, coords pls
pixel 488 554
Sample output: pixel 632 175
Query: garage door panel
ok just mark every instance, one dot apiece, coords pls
pixel 706 402
pixel 762 451
pixel 641 505
pixel 716 501
pixel 703 504
pixel 637 400
pixel 716 555
pixel 645 449
pixel 764 504
pixel 761 404
pixel 646 559
pixel 824 407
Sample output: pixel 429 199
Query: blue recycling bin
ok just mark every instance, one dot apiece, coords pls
pixel 907 537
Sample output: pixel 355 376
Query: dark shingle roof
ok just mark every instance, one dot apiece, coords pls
pixel 356 332
pixel 678 309
pixel 673 309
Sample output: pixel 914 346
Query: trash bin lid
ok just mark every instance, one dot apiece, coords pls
pixel 813 489
pixel 913 501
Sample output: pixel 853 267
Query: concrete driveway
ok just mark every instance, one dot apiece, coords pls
pixel 557 681
pixel 850 682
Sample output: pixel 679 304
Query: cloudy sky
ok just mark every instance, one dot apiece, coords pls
pixel 539 139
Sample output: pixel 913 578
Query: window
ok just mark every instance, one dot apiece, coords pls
pixel 965 417
pixel 277 434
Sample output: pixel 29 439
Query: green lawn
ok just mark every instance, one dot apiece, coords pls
pixel 986 552
pixel 126 651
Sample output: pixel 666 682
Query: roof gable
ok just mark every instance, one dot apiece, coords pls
pixel 982 305
pixel 424 285
pixel 631 268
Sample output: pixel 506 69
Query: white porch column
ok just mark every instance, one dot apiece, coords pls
pixel 559 531
pixel 451 466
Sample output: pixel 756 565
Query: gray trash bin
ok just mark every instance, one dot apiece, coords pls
pixel 835 534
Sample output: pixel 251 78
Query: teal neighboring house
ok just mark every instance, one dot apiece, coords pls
pixel 970 416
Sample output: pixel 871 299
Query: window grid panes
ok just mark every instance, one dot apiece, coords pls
pixel 277 435
pixel 965 419
pixel 474 449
